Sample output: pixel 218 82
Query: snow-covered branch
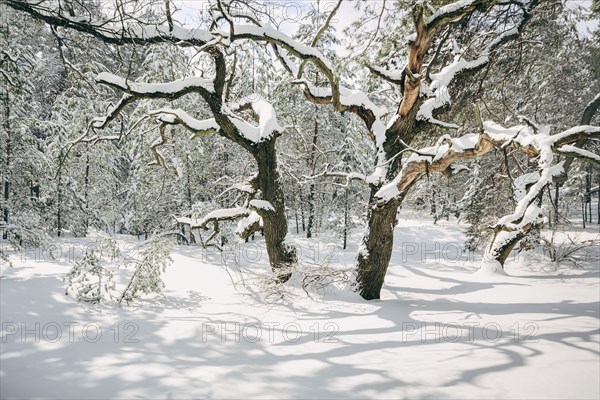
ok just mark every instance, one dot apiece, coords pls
pixel 178 116
pixel 434 159
pixel 264 114
pixel 169 90
pixel 394 76
pixel 449 150
pixel 348 176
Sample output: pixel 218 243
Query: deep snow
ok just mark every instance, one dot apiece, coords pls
pixel 433 334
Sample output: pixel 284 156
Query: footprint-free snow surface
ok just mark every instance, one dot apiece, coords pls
pixel 221 331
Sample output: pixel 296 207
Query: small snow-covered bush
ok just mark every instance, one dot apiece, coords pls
pixel 93 278
pixel 89 280
pixel 148 269
pixel 4 258
pixel 572 250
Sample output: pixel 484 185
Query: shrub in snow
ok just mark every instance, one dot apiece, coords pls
pixel 146 278
pixel 571 250
pixel 25 232
pixel 89 280
pixel 4 258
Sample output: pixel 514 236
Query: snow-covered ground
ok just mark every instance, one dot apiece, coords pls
pixel 439 330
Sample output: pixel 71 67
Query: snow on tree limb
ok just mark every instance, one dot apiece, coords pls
pixel 580 153
pixel 214 218
pixel 224 214
pixel 169 90
pixel 261 206
pixel 588 114
pixel 249 220
pixel 342 99
pixel 449 150
pixel 248 225
pixel 271 35
pixel 347 97
pixel 178 116
pixel 393 76
pixel 265 116
pixel 434 159
pixel 348 176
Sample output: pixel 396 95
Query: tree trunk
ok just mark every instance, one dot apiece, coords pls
pixel 281 255
pixel 5 213
pixel 59 198
pixel 583 207
pixel 6 172
pixel 556 202
pixel 302 211
pixel 297 222
pixel 376 248
pixel 506 244
pixel 86 218
pixel 377 244
pixel 345 218
pixel 311 188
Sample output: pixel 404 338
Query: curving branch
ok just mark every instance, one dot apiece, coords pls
pixel 118 31
pixel 102 122
pixel 170 90
pixel 348 176
pixel 198 127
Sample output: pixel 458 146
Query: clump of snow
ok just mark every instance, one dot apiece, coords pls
pixel 490 267
pixel 267 120
pixel 247 222
pixel 171 116
pixel 262 205
pixel 521 182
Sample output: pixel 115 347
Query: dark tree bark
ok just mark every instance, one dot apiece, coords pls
pixel 6 185
pixel 281 255
pixel 376 251
pixel 7 155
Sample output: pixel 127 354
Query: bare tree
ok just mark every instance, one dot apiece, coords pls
pixel 249 122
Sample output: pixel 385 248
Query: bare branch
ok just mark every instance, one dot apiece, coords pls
pixel 102 122
pixel 119 31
